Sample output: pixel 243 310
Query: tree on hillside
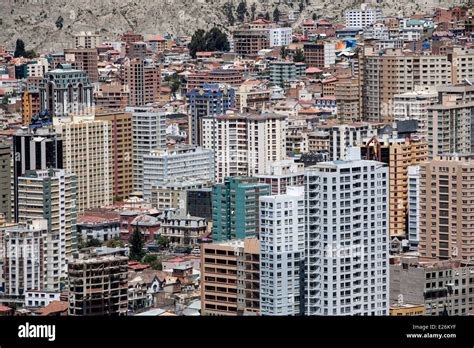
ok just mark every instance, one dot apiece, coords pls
pixel 197 42
pixel 228 10
pixel 253 9
pixel 276 15
pixel 242 11
pixel 136 246
pixel 19 49
pixel 21 52
pixel 267 16
pixel 283 52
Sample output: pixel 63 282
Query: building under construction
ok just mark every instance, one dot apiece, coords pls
pixel 98 285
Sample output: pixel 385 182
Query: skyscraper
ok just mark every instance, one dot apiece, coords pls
pixel 347 238
pixel 51 195
pixel 34 149
pixel 148 134
pixel 143 79
pixel 87 153
pixel 446 199
pixel 5 181
pixel 282 252
pixel 24 262
pixel 450 121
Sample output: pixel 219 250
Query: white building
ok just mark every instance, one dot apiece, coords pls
pixel 40 299
pixel 414 106
pixel 149 133
pixel 413 206
pixel 280 175
pixel 347 211
pixel 51 194
pixel 244 144
pixel 363 17
pixel 281 36
pixel 23 248
pixel 282 250
pixel 344 136
pixel 181 162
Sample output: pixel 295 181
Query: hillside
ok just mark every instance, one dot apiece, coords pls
pixel 49 24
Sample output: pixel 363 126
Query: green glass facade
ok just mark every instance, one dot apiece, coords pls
pixel 235 208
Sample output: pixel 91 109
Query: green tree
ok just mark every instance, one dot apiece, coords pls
pixel 315 16
pixel 213 40
pixel 136 246
pixel 299 56
pixel 276 15
pixel 228 10
pixel 19 49
pixel 163 242
pixel 283 52
pixel 197 43
pixel 242 11
pixel 301 6
pixel 150 258
pixel 267 16
pixel 216 40
pixel 154 261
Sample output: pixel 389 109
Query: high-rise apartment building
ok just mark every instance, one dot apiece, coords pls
pixel 209 101
pixel 143 79
pixel 230 277
pixel 5 182
pixel 348 100
pixel 446 200
pixel 183 162
pixel 84 59
pixel 394 72
pixel 87 154
pixel 399 154
pixel 347 214
pixel 413 206
pixel 344 136
pixel 450 121
pixel 34 149
pixel 235 208
pixel 24 262
pixel 51 195
pixel 244 144
pixel 282 253
pixel 121 146
pixel 66 91
pixel 148 134
pixel 414 106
